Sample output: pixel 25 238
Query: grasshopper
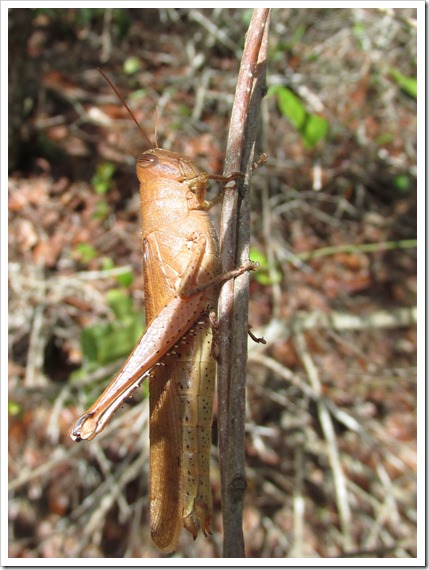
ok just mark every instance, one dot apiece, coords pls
pixel 181 279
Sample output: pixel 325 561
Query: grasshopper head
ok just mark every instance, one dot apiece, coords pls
pixel 165 164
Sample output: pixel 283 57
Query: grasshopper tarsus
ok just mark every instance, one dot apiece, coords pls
pixel 77 432
pixel 248 266
pixel 263 157
pixel 258 340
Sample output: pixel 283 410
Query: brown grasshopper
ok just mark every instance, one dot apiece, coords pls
pixel 181 278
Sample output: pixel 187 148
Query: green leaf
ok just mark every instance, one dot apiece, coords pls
pixel 297 35
pixel 263 275
pixel 312 128
pixel 106 170
pixel 358 29
pixel 107 263
pixel 107 342
pixel 132 65
pixel 101 181
pixel 315 129
pixel 85 252
pixel 100 186
pixel 120 303
pixel 14 409
pixel 125 279
pixel 384 138
pixel 246 16
pixel 101 210
pixel 402 184
pixel 291 107
pixel 259 257
pixel 408 84
pixel 312 57
pixel 359 32
pixel 138 94
pixel 184 110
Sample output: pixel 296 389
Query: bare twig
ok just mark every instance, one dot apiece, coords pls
pixel 299 502
pixel 233 300
pixel 38 340
pixel 326 422
pixel 357 248
pixel 340 415
pixel 218 34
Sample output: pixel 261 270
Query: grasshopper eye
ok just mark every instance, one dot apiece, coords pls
pixel 146 160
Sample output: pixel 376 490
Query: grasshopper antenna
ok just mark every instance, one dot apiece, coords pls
pixel 156 126
pixel 121 99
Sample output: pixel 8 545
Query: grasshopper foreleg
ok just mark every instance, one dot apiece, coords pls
pixel 198 188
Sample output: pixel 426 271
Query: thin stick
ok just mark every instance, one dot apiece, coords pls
pixel 327 424
pixel 233 300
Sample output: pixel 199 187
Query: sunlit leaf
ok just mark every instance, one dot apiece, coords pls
pixel 263 275
pixel 132 65
pixel 316 128
pixel 85 252
pixel 408 84
pixel 291 107
pixel 402 184
pixel 102 179
pixel 13 408
pixel 107 263
pixel 101 210
pixel 120 303
pixel 125 279
pixel 107 342
pixel 312 128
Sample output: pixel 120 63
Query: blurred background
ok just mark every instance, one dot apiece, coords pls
pixel 331 399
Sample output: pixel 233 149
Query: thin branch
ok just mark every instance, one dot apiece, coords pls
pixel 233 300
pixel 354 248
pixel 339 477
